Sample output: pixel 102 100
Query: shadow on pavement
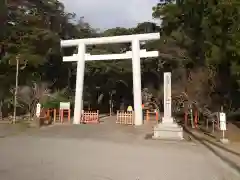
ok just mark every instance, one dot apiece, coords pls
pixel 225 159
pixel 215 143
pixel 222 147
pixel 236 123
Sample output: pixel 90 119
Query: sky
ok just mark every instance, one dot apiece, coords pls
pixel 105 14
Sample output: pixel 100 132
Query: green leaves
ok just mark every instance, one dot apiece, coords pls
pixel 208 34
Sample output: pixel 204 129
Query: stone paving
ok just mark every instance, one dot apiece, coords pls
pixel 105 151
pixel 228 152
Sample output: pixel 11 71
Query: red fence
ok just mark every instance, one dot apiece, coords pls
pixel 90 117
pixel 125 118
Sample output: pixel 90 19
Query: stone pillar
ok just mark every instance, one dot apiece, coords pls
pixel 79 83
pixel 136 67
pixel 167 118
pixel 168 129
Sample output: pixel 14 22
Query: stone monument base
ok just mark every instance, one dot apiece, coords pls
pixel 168 131
pixel 224 141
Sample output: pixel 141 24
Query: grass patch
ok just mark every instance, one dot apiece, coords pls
pixel 8 129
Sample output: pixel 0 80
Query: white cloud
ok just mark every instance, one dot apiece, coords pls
pixel 105 14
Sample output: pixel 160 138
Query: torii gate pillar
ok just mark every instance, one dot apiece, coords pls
pixel 79 83
pixel 136 68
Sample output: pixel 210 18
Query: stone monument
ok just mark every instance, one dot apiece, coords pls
pixel 168 128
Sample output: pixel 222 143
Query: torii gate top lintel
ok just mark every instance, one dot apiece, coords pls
pixel 111 39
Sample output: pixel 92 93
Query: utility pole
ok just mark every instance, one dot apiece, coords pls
pixel 110 103
pixel 16 90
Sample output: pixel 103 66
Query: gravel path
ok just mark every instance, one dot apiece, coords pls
pixel 105 151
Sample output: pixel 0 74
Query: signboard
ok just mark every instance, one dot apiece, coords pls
pixel 65 105
pixel 222 117
pixel 38 110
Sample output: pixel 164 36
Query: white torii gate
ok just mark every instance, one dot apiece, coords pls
pixel 135 55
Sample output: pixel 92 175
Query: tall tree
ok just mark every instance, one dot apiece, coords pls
pixel 208 33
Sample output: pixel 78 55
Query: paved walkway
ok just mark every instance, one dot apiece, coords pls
pixel 229 153
pixel 105 151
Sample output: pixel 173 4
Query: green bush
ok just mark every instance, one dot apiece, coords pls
pixel 55 99
pixel 51 104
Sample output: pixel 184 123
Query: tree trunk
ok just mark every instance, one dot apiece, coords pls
pixel 30 112
pixel 1 114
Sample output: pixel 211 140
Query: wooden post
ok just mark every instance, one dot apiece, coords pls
pixel 117 116
pixel 147 115
pixel 186 117
pixel 82 116
pixel 218 121
pixel 124 116
pixel 191 116
pixel 196 118
pixel 69 115
pixel 132 117
pixel 98 115
pixel 156 116
pixel 213 126
pixel 61 113
pixel 54 115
